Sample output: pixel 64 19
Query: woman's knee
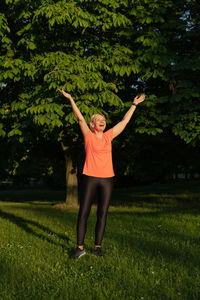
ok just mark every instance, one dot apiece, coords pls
pixel 102 214
pixel 83 215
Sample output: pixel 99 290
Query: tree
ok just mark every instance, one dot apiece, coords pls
pixel 44 47
pixel 102 52
pixel 172 56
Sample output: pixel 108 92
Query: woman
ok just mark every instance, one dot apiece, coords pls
pixel 98 170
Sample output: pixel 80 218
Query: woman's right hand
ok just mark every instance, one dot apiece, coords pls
pixel 66 95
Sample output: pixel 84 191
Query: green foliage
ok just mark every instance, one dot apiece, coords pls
pixel 89 49
pixel 102 52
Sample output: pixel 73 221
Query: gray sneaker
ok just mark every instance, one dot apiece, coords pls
pixel 79 253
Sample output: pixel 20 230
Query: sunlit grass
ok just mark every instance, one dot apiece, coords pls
pixel 151 252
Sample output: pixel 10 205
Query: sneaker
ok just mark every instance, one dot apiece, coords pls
pixel 97 251
pixel 79 253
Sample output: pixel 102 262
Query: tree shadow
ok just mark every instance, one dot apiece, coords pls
pixel 155 243
pixel 158 249
pixel 155 201
pixel 24 224
pixel 50 211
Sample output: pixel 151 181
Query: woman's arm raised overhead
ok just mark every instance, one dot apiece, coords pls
pixel 117 129
pixel 82 123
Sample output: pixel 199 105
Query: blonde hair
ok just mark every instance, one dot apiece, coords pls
pixel 93 117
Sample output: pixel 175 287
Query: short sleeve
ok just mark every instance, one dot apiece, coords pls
pixel 88 135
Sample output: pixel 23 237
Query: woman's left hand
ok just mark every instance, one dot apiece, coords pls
pixel 139 99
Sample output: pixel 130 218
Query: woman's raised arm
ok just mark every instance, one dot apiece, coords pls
pixel 82 123
pixel 117 129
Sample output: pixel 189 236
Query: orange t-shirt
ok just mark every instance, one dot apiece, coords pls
pixel 98 161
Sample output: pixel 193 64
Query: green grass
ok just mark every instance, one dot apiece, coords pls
pixel 151 247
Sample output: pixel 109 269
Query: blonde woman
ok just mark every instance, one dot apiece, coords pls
pixel 98 171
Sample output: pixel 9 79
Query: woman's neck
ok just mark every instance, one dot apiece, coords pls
pixel 99 134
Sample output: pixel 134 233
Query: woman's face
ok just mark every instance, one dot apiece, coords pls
pixel 99 123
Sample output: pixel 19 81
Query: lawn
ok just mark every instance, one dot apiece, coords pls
pixel 151 246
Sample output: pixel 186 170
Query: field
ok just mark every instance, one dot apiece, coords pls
pixel 151 246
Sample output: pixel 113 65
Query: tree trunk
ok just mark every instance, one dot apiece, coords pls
pixel 71 176
pixel 71 183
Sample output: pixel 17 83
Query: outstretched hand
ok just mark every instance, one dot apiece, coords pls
pixel 66 95
pixel 139 99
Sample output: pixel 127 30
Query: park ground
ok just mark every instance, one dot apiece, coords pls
pixel 151 246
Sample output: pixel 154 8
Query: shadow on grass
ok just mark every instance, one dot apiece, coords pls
pixel 156 200
pixel 24 225
pixel 160 250
pixel 33 195
pixel 152 242
pixel 160 241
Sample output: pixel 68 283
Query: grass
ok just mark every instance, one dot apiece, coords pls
pixel 151 245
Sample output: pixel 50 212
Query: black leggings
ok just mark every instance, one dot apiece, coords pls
pixel 90 187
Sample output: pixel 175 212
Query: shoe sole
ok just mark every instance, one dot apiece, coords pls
pixel 82 254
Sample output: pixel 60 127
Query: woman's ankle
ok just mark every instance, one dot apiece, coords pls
pixel 80 247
